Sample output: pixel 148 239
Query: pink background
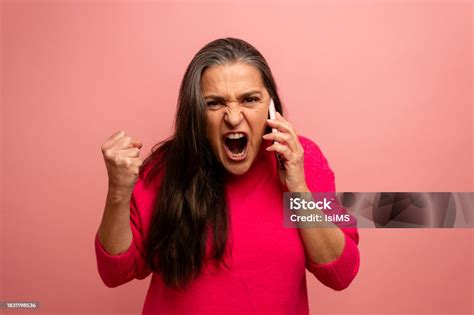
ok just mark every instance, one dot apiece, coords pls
pixel 384 87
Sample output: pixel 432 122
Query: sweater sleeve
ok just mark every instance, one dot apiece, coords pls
pixel 119 269
pixel 339 273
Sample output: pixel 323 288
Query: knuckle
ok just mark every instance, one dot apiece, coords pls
pixel 117 159
pixel 107 154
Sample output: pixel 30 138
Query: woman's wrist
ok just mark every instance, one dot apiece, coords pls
pixel 118 195
pixel 301 188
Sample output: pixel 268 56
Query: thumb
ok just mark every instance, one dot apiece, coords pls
pixel 278 116
pixel 137 143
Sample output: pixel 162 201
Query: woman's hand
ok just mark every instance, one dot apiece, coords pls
pixel 291 153
pixel 121 155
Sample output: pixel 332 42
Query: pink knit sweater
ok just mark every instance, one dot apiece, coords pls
pixel 268 262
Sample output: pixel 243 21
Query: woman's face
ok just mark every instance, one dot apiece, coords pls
pixel 237 110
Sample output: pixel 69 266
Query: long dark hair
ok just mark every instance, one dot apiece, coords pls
pixel 190 204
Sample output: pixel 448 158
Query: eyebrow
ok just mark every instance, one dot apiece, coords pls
pixel 243 95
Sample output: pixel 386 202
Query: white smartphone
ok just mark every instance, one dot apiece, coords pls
pixel 272 113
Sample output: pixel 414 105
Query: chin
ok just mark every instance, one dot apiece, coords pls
pixel 240 169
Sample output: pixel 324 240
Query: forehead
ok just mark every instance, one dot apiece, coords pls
pixel 237 76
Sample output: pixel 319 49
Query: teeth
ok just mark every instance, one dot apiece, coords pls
pixel 236 135
pixel 238 154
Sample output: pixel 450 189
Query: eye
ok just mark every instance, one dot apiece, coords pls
pixel 251 99
pixel 213 103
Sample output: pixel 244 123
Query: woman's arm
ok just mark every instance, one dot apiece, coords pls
pixel 121 257
pixel 121 157
pixel 119 239
pixel 332 254
pixel 322 244
pixel 114 232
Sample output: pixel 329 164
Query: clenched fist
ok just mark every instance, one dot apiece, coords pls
pixel 121 155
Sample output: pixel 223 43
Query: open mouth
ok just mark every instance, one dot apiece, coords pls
pixel 236 145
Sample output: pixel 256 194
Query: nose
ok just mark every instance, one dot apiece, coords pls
pixel 233 115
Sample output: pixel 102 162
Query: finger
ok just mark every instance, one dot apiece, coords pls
pixel 285 122
pixel 287 127
pixel 116 135
pixel 284 138
pixel 132 152
pixel 279 117
pixel 287 135
pixel 279 125
pixel 113 138
pixel 281 149
pixel 127 161
pixel 123 143
pixel 137 143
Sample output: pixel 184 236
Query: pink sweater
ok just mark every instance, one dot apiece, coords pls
pixel 268 261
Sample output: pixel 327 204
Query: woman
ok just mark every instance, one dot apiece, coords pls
pixel 204 212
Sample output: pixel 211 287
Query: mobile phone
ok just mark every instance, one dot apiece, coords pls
pixel 272 113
